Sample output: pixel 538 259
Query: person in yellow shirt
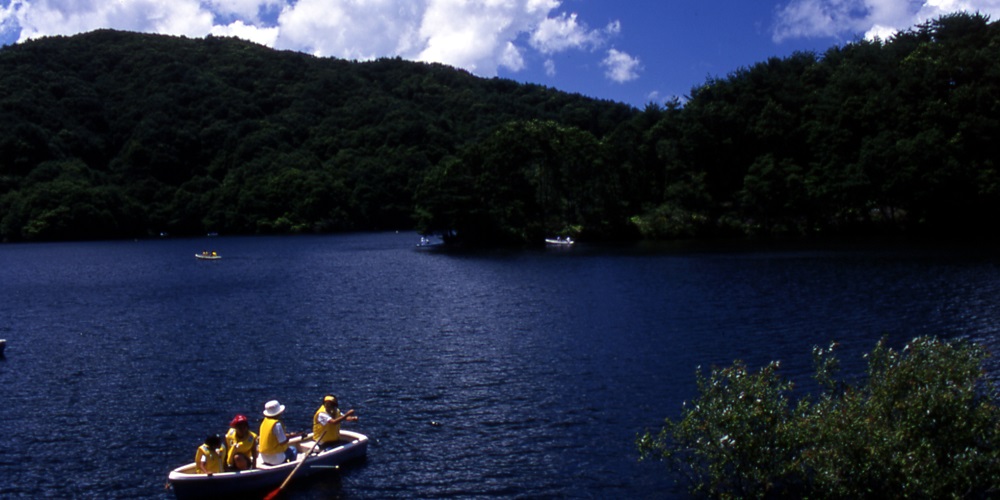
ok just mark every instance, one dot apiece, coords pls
pixel 328 418
pixel 210 455
pixel 241 444
pixel 274 448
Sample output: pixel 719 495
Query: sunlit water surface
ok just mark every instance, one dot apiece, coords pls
pixel 494 374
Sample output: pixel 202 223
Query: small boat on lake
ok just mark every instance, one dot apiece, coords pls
pixel 427 242
pixel 187 482
pixel 208 256
pixel 559 241
pixel 3 345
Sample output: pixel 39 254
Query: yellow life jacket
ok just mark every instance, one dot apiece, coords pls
pixel 268 440
pixel 237 445
pixel 332 430
pixel 213 458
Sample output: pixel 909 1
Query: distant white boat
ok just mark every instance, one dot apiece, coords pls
pixel 559 240
pixel 208 256
pixel 3 345
pixel 427 242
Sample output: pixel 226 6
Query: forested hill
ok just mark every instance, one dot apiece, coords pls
pixel 112 134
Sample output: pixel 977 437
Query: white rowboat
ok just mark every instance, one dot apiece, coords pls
pixel 187 482
pixel 559 241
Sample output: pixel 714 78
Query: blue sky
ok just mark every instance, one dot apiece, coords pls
pixel 628 51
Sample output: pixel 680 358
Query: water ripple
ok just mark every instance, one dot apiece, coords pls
pixel 495 374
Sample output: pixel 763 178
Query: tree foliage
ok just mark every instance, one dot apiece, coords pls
pixel 221 134
pixel 872 137
pixel 924 422
pixel 524 182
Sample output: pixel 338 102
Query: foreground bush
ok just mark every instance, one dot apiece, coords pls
pixel 924 423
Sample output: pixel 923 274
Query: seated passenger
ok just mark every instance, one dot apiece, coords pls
pixel 241 444
pixel 328 418
pixel 274 449
pixel 210 455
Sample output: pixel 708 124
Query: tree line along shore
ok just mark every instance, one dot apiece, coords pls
pixel 112 134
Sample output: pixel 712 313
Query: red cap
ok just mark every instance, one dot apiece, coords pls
pixel 238 419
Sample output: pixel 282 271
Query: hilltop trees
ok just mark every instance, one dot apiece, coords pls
pixel 224 135
pixel 873 137
pixel 525 181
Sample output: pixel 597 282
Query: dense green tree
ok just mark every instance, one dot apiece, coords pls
pixel 527 181
pixel 222 134
pixel 871 137
pixel 924 422
pixel 62 201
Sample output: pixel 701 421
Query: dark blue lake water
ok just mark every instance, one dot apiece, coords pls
pixel 495 374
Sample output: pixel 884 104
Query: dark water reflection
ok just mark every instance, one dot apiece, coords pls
pixel 504 374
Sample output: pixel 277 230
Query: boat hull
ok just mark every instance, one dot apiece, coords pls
pixel 189 485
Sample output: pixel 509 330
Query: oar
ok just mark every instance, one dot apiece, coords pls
pixel 273 494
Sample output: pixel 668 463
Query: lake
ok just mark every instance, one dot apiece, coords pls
pixel 477 374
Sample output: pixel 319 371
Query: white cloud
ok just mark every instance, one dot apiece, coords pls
pixel 512 58
pixel 245 10
pixel 613 28
pixel 8 19
pixel 350 29
pixel 873 18
pixel 256 34
pixel 37 18
pixel 621 67
pixel 936 8
pixel 880 32
pixel 472 35
pixel 478 35
pixel 563 32
pixel 550 67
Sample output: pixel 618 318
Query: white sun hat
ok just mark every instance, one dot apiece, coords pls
pixel 273 408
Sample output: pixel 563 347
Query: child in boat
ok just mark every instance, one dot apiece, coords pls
pixel 241 443
pixel 210 455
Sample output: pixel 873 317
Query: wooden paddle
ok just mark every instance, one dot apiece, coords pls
pixel 273 494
